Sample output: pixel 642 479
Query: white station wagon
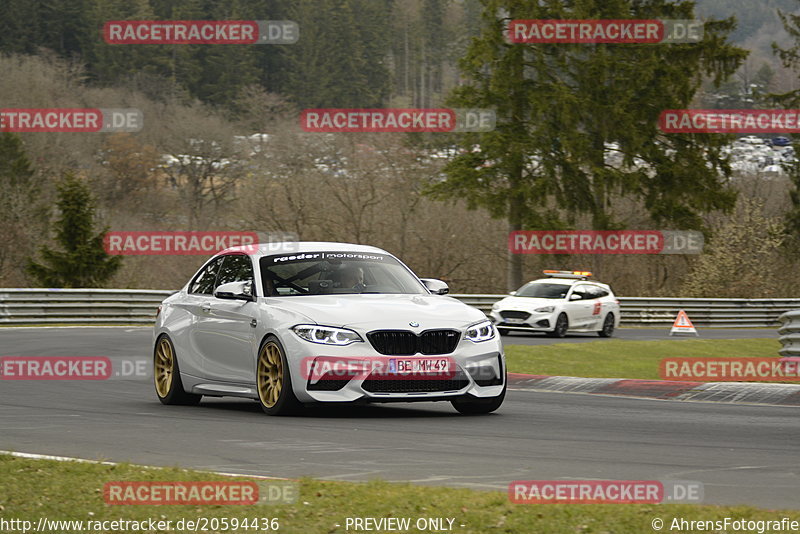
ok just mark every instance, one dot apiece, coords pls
pixel 565 301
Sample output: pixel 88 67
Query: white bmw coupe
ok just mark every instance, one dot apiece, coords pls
pixel 294 324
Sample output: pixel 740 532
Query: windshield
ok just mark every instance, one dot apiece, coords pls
pixel 325 273
pixel 543 290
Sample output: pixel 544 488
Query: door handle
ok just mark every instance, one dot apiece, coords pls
pixel 206 307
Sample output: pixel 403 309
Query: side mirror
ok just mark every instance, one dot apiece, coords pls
pixel 575 296
pixel 235 291
pixel 437 287
pixel 512 293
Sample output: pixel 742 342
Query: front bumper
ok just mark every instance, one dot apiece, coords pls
pixel 539 322
pixel 478 369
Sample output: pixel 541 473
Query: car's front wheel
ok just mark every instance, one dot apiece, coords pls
pixel 167 375
pixel 560 330
pixel 274 380
pixel 476 406
pixel 608 326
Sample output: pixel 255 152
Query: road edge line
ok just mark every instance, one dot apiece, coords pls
pixel 721 392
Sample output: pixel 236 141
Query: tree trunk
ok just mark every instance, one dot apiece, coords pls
pixel 514 260
pixel 516 200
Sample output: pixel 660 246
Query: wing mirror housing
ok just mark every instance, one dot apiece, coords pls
pixel 235 291
pixel 512 293
pixel 574 297
pixel 437 287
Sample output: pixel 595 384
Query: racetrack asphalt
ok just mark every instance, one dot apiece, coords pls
pixel 742 454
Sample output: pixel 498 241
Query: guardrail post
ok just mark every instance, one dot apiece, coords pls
pixel 789 333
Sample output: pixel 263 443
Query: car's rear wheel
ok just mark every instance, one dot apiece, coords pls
pixel 167 375
pixel 476 406
pixel 562 325
pixel 608 326
pixel 274 380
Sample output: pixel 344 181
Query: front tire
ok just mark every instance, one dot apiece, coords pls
pixel 562 325
pixel 274 380
pixel 167 375
pixel 479 406
pixel 608 326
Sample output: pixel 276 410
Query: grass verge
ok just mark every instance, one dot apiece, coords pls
pixel 30 489
pixel 626 359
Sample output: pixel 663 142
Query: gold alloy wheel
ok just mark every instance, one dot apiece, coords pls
pixel 270 374
pixel 164 367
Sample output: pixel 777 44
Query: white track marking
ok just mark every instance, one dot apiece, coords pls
pixel 33 456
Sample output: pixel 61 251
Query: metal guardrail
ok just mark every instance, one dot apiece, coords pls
pixel 138 306
pixel 789 333
pixel 79 306
pixel 727 313
pixel 661 312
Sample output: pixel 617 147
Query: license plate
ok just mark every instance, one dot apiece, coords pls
pixel 515 321
pixel 402 366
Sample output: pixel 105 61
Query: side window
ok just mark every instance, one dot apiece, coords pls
pixel 591 292
pixel 235 268
pixel 584 292
pixel 599 292
pixel 203 283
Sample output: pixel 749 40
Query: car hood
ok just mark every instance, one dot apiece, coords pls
pixel 526 303
pixel 381 311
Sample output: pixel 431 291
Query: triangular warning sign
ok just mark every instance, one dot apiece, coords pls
pixel 683 325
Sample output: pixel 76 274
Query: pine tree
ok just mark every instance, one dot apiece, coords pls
pixel 19 210
pixel 19 27
pixel 15 167
pixel 341 62
pixel 82 261
pixel 790 57
pixel 559 106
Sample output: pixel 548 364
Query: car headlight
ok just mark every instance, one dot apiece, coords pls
pixel 326 335
pixel 545 309
pixel 482 331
